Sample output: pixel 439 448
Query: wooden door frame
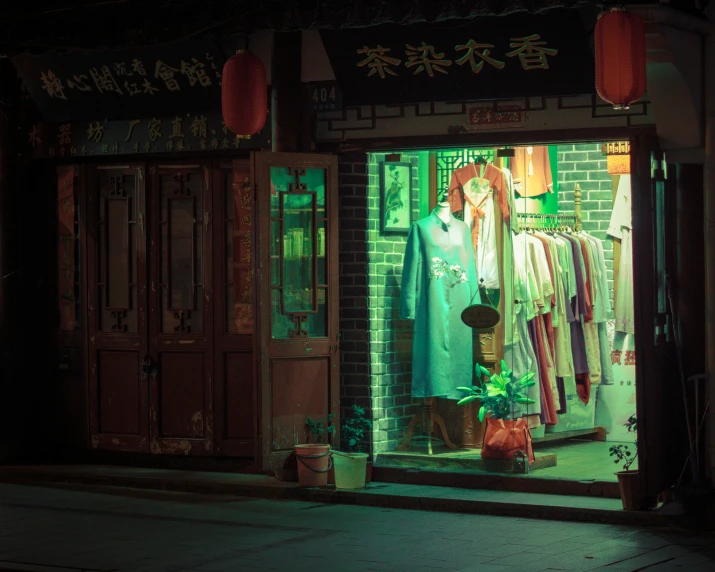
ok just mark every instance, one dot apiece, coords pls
pixel 226 343
pixel 138 443
pixel 261 163
pixel 657 378
pixel 157 343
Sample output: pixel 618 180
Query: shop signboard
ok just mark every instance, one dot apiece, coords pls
pixel 486 117
pixel 124 84
pixel 185 133
pixel 488 58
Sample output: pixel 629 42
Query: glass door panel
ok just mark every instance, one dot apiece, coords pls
pixel 298 249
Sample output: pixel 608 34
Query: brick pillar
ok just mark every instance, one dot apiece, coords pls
pixel 354 341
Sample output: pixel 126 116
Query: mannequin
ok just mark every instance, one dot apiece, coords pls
pixel 438 282
pixel 442 209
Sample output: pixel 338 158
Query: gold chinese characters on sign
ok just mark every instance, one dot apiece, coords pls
pixel 531 51
pixel 154 134
pixel 134 78
pixel 243 318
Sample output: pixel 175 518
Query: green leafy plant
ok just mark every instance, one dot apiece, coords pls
pixel 354 429
pixel 500 395
pixel 318 431
pixel 621 452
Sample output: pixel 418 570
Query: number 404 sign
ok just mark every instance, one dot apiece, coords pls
pixel 325 96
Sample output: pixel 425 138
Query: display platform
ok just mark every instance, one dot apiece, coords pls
pixel 459 460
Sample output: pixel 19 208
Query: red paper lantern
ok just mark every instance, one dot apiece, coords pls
pixel 620 58
pixel 244 94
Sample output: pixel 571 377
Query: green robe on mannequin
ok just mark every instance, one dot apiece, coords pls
pixel 439 280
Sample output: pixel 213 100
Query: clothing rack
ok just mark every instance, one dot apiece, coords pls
pixel 546 221
pixel 553 220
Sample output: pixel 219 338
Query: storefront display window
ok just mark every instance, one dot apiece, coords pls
pixel 541 234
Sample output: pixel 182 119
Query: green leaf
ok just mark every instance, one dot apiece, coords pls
pixel 527 377
pixel 525 400
pixel 529 384
pixel 482 413
pixel 484 370
pixel 503 365
pixel 467 399
pixel 468 389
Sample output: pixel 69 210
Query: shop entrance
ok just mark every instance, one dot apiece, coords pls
pixel 150 308
pixel 212 302
pixel 556 246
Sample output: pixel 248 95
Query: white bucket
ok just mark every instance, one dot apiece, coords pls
pixel 349 470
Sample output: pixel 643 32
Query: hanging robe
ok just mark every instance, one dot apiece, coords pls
pixel 438 282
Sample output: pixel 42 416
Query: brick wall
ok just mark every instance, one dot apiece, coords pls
pixel 354 318
pixel 584 164
pixel 390 337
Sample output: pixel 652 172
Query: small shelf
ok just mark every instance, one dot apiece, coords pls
pixel 595 434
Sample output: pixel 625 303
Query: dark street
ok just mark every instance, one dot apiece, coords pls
pixel 53 529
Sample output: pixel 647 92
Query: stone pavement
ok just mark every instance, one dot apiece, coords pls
pixel 67 528
pixel 378 494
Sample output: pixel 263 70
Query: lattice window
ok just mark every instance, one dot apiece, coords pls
pixel 450 159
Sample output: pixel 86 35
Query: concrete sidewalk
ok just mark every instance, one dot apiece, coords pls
pixel 376 494
pixel 63 528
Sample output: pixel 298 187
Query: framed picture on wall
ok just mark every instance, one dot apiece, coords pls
pixel 395 197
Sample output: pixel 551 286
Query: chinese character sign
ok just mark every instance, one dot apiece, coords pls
pixel 521 56
pixel 242 222
pixel 165 80
pixel 617 402
pixel 187 132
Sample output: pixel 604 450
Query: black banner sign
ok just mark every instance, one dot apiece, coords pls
pixel 490 58
pixel 121 85
pixel 181 133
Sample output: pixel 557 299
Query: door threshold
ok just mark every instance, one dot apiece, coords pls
pixel 496 482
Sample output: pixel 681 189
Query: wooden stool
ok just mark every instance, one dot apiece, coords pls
pixel 427 419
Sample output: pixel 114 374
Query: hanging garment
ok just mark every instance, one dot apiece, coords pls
pixel 438 282
pixel 590 328
pixel 602 309
pixel 531 170
pixel 562 331
pixel 510 226
pixel 620 226
pixel 473 189
pixel 520 355
pixel 536 256
pixel 578 309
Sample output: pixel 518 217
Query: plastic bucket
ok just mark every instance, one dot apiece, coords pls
pixel 350 470
pixel 314 462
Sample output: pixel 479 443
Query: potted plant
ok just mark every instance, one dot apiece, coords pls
pixel 352 468
pixel 628 480
pixel 501 397
pixel 313 458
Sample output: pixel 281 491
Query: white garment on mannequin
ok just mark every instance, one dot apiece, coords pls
pixel 443 212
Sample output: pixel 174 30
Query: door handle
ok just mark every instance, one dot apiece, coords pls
pixel 148 367
pixel 141 222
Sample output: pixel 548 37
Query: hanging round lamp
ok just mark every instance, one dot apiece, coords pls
pixel 620 58
pixel 481 317
pixel 244 94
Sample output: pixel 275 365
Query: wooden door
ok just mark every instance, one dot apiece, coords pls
pixel 297 305
pixel 659 402
pixel 181 316
pixel 234 244
pixel 117 308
